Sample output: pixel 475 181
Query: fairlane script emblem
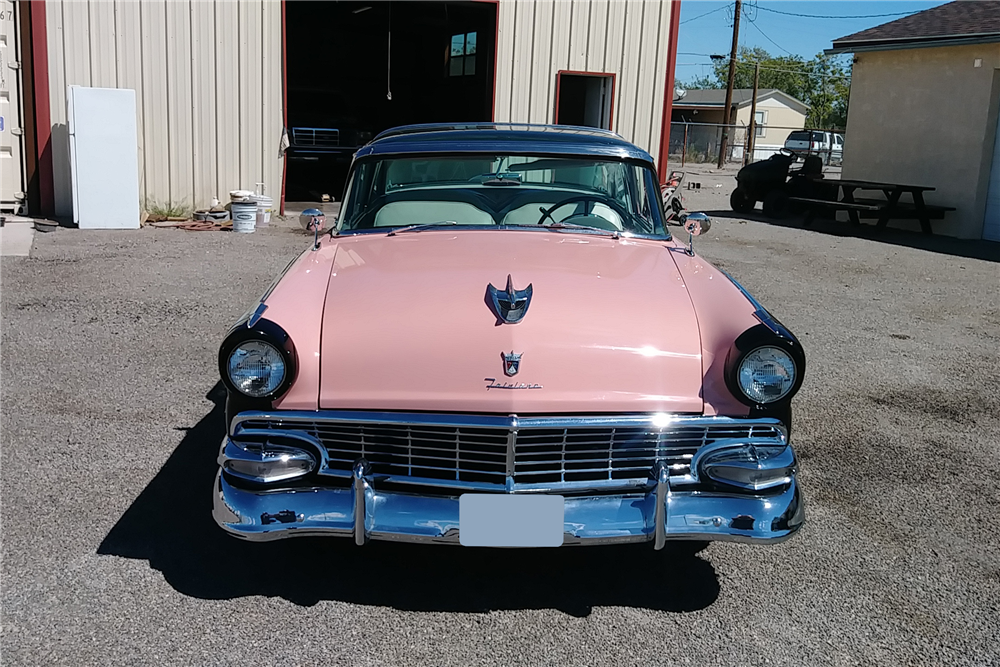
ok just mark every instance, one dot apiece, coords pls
pixel 511 363
pixel 491 383
pixel 508 305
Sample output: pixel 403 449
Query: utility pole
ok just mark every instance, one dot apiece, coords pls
pixel 753 113
pixel 729 88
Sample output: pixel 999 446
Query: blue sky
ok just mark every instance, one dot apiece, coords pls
pixel 713 34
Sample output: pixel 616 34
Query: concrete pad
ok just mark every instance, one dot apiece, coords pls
pixel 16 238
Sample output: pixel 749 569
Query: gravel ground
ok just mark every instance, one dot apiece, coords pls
pixel 111 421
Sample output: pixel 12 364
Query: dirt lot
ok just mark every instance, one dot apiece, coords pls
pixel 111 421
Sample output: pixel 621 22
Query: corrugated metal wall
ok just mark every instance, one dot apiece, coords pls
pixel 628 38
pixel 207 76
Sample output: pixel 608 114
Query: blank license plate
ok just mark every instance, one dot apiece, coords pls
pixel 500 520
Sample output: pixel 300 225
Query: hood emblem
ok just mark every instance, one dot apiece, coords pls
pixel 508 305
pixel 511 363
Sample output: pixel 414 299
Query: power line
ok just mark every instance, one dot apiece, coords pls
pixel 695 18
pixel 820 16
pixel 775 69
pixel 770 40
pixel 796 71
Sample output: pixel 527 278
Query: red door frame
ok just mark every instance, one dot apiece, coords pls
pixel 612 76
pixel 668 92
pixel 38 88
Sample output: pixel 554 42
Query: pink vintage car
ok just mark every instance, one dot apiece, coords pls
pixel 499 343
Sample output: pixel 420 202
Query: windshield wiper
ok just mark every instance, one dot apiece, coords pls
pixel 615 234
pixel 426 225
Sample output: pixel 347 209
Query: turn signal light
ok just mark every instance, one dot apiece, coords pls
pixel 751 467
pixel 267 463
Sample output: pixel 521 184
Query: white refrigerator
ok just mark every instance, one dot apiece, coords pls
pixel 104 157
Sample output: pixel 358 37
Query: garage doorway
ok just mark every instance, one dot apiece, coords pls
pixel 585 98
pixel 357 68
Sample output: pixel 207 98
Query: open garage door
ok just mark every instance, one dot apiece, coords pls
pixel 357 68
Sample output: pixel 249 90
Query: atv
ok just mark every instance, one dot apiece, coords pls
pixel 772 182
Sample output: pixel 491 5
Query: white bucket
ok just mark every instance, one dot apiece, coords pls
pixel 264 204
pixel 244 216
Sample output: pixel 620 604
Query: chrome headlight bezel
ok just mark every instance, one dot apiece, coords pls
pixel 769 335
pixel 266 332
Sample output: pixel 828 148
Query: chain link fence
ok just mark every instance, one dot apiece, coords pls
pixel 700 143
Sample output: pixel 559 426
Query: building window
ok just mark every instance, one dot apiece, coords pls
pixel 462 56
pixel 760 123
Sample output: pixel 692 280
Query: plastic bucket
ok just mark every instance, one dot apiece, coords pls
pixel 244 216
pixel 264 204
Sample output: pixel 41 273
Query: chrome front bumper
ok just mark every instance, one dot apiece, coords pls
pixel 654 513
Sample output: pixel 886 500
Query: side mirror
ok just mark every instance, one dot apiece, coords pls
pixel 697 224
pixel 312 219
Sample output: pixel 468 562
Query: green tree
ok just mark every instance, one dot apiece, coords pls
pixel 702 83
pixel 822 83
pixel 829 91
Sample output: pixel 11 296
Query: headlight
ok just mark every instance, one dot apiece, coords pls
pixel 766 374
pixel 256 368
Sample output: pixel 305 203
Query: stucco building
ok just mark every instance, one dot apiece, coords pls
pixel 925 93
pixel 222 87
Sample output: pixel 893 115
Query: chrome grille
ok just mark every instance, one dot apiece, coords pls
pixel 315 136
pixel 434 452
pixel 533 454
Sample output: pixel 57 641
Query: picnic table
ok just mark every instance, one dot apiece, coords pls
pixel 843 199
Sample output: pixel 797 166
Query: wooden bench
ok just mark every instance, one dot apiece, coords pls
pixel 907 211
pixel 813 204
pixel 839 205
pixel 882 209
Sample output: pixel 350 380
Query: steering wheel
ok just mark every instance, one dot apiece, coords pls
pixel 592 199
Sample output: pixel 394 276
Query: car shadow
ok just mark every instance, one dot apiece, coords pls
pixel 171 526
pixel 973 249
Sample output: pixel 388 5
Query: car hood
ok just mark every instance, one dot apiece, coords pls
pixel 407 325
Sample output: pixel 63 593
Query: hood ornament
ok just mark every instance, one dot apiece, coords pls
pixel 508 305
pixel 511 363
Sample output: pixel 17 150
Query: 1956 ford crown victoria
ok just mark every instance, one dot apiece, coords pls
pixel 499 343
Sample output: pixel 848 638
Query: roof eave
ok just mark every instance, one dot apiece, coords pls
pixel 701 105
pixel 919 43
pixel 792 103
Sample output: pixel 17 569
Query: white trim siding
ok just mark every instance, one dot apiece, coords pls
pixel 208 80
pixel 207 77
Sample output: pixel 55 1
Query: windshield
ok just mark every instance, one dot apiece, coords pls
pixel 506 191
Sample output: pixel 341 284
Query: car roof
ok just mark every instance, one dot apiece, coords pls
pixel 511 138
